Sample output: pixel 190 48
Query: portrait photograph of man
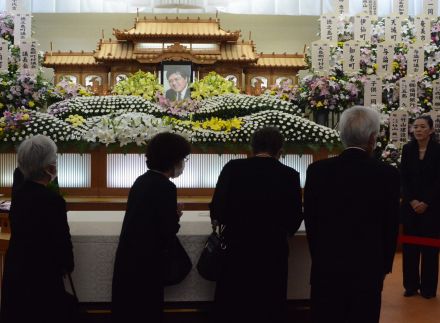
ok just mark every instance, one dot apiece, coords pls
pixel 177 79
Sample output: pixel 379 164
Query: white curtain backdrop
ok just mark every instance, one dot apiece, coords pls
pixel 266 7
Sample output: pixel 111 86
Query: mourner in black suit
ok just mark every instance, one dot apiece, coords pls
pixel 40 249
pixel 259 201
pixel 420 170
pixel 351 212
pixel 150 224
pixel 178 81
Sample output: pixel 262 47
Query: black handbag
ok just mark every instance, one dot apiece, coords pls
pixel 210 264
pixel 176 263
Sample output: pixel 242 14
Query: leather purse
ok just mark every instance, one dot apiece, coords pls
pixel 211 260
pixel 176 263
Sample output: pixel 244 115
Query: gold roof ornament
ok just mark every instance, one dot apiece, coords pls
pixel 196 29
pixel 152 41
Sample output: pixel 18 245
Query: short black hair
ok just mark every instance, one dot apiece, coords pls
pixel 267 139
pixel 176 70
pixel 428 120
pixel 165 150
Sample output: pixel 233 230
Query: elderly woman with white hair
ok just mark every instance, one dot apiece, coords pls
pixel 40 249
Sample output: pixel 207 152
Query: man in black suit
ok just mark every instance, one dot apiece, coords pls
pixel 351 212
pixel 178 81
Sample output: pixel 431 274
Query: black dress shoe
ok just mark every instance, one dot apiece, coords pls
pixel 427 296
pixel 410 292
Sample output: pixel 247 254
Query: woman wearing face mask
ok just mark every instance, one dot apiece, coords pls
pixel 40 249
pixel 151 223
pixel 420 171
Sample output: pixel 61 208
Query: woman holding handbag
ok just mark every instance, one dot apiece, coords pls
pixel 148 247
pixel 258 200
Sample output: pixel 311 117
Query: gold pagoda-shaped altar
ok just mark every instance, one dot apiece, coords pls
pixel 151 42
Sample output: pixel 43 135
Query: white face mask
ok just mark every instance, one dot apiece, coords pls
pixel 178 170
pixel 52 176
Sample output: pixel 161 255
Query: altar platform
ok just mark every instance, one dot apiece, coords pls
pixel 95 236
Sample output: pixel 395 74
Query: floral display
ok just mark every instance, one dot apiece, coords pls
pixel 24 89
pixel 131 127
pixel 75 120
pixel 215 124
pixel 212 84
pixel 44 124
pixel 103 105
pixel 141 83
pixel 66 89
pixel 13 121
pixel 178 108
pixel 391 154
pixel 7 26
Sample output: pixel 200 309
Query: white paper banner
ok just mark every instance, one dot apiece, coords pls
pixel 352 57
pixel 362 28
pixel 436 95
pixel 329 28
pixel 372 90
pixel 415 59
pixel 400 7
pixel 22 27
pixel 341 6
pixel 369 7
pixel 423 28
pixel 28 56
pixel 14 6
pixel 393 29
pixel 435 115
pixel 33 56
pixel 384 58
pixel 430 7
pixel 4 53
pixel 399 126
pixel 321 56
pixel 408 93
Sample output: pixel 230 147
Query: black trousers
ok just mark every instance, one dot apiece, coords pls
pixel 344 305
pixel 420 264
pixel 420 268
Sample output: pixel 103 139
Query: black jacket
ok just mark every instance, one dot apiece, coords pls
pixel 259 201
pixel 150 224
pixel 421 181
pixel 40 252
pixel 351 212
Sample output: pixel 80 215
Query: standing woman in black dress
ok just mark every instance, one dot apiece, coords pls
pixel 40 249
pixel 150 224
pixel 420 171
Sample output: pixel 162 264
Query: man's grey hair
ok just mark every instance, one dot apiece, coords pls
pixel 34 155
pixel 357 124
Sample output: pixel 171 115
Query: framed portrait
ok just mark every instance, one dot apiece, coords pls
pixel 176 78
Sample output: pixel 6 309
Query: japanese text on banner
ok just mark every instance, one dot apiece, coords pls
pixel 4 53
pixel 393 29
pixel 22 27
pixel 400 7
pixel 329 28
pixel 370 7
pixel 372 90
pixel 362 28
pixel 430 7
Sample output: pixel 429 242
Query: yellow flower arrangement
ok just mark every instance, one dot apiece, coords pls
pixel 215 124
pixel 75 119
